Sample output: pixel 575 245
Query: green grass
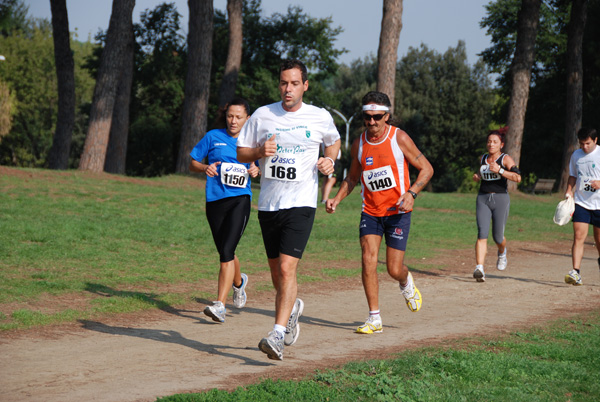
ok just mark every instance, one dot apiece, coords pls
pixel 147 244
pixel 559 362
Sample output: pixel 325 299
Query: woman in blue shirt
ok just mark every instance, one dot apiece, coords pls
pixel 228 197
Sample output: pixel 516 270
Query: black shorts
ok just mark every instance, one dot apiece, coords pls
pixel 286 231
pixel 228 218
pixel 584 215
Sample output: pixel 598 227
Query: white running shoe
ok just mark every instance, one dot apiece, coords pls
pixel 371 326
pixel 239 294
pixel 478 274
pixel 272 345
pixel 216 311
pixel 501 263
pixel 411 294
pixel 573 278
pixel 292 330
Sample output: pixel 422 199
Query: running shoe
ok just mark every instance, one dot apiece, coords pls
pixel 292 330
pixel 501 263
pixel 216 311
pixel 411 294
pixel 272 345
pixel 239 294
pixel 573 278
pixel 478 274
pixel 371 326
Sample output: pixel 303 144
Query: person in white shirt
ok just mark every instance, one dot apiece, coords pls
pixel 286 137
pixel 583 185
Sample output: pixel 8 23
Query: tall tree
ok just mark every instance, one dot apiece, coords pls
pixel 197 81
pixel 109 75
pixel 387 54
pixel 574 84
pixel 234 51
pixel 116 154
pixel 446 108
pixel 58 157
pixel 527 25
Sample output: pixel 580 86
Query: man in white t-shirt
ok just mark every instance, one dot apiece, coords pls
pixel 286 137
pixel 583 185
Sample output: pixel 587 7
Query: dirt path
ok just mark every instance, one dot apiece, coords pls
pixel 186 352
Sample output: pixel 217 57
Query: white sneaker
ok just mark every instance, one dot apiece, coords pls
pixel 411 294
pixel 239 294
pixel 501 263
pixel 371 326
pixel 216 311
pixel 272 345
pixel 573 278
pixel 478 274
pixel 292 330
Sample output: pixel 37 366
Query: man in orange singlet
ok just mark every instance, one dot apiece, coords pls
pixel 380 159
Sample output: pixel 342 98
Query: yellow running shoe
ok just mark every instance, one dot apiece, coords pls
pixel 371 326
pixel 412 295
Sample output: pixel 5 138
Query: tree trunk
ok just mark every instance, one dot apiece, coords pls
pixel 387 54
pixel 527 25
pixel 197 81
pixel 574 85
pixel 109 75
pixel 234 52
pixel 116 154
pixel 58 158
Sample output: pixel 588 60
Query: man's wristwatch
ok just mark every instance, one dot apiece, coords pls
pixel 412 193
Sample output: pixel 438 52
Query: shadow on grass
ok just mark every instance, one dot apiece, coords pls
pixel 152 299
pixel 173 337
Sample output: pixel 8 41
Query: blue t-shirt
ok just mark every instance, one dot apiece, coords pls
pixel 219 147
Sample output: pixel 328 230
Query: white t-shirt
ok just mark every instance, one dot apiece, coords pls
pixel 586 167
pixel 289 179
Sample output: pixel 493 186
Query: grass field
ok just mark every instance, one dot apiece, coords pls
pixel 68 239
pixel 558 362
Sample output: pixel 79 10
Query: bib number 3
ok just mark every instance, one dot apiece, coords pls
pixel 586 185
pixel 234 174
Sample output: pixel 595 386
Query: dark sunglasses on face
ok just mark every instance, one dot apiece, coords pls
pixel 375 117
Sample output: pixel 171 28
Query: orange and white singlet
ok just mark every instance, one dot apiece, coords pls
pixel 385 174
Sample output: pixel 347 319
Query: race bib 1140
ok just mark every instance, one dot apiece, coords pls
pixel 379 179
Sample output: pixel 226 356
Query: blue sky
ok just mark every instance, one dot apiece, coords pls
pixel 439 24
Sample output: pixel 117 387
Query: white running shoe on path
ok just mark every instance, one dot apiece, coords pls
pixel 272 345
pixel 292 330
pixel 573 278
pixel 371 326
pixel 502 262
pixel 412 295
pixel 216 311
pixel 478 274
pixel 239 294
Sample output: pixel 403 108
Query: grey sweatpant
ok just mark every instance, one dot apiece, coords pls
pixel 492 206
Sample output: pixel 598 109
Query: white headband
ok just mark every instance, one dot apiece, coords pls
pixel 372 106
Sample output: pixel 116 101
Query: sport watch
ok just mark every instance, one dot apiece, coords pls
pixel 412 193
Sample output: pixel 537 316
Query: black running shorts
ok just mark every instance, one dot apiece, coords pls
pixel 286 231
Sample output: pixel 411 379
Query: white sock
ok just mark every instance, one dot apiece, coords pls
pixel 280 329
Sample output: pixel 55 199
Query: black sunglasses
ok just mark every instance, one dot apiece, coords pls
pixel 375 117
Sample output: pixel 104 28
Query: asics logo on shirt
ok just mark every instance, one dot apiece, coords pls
pixel 283 161
pixel 235 169
pixel 376 174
